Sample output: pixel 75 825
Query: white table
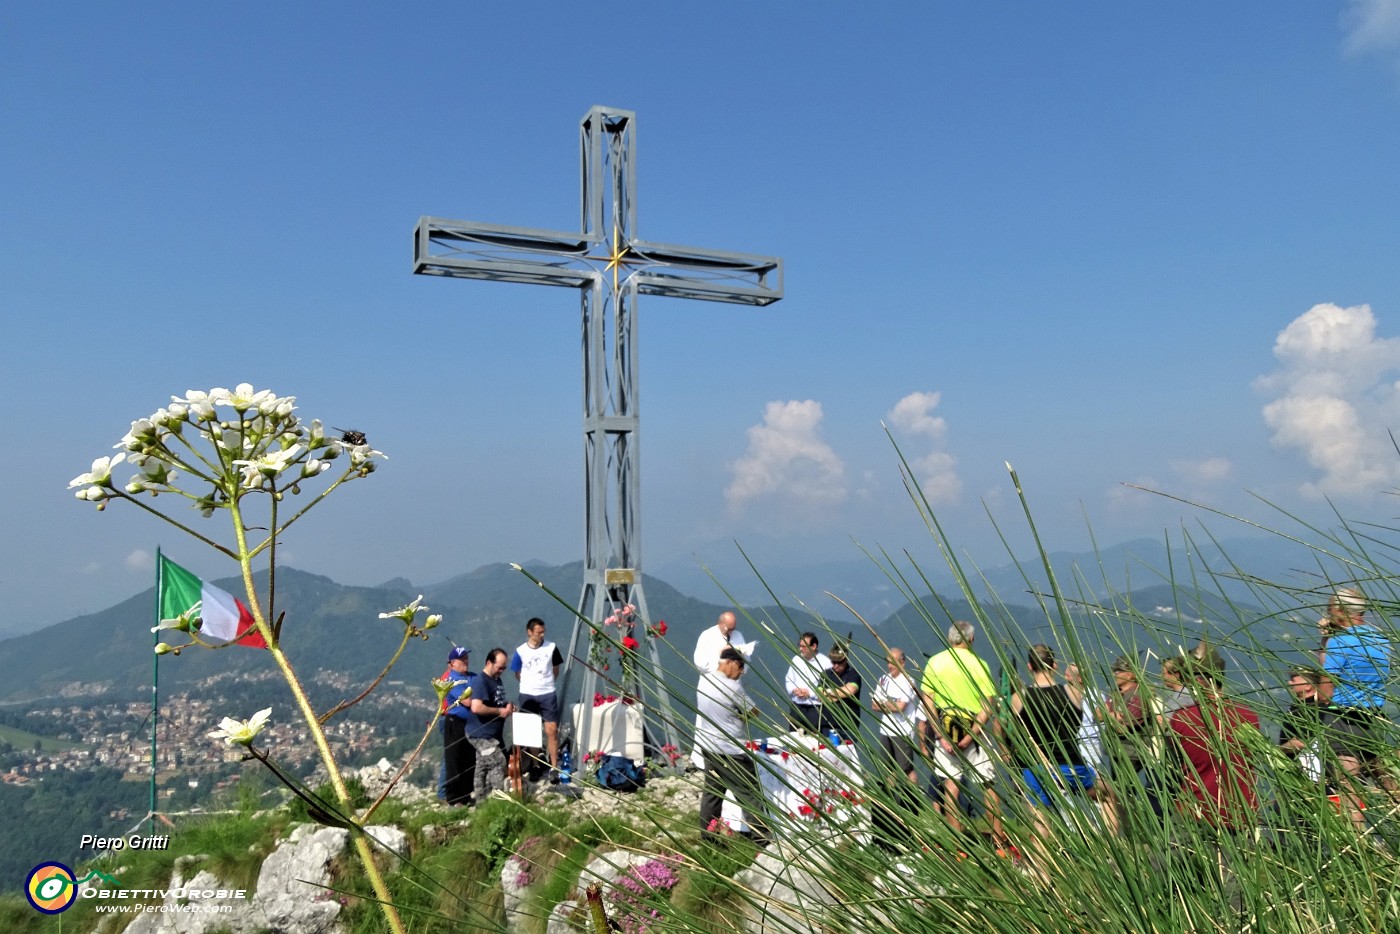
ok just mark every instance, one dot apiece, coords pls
pixel 809 785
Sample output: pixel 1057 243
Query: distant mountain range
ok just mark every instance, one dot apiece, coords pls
pixel 871 586
pixel 335 627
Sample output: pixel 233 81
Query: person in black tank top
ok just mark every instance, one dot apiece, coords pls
pixel 1050 721
pixel 1045 747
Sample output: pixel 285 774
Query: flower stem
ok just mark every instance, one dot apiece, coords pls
pixel 343 705
pixel 313 723
pixel 406 766
pixel 267 542
pixel 120 494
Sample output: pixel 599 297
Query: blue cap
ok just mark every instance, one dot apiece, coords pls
pixel 458 652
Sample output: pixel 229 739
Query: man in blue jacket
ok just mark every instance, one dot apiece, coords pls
pixel 458 754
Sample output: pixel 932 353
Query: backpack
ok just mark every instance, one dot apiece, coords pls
pixel 618 773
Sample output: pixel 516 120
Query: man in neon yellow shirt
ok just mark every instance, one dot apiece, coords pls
pixel 960 697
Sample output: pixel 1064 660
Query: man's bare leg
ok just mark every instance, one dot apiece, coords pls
pixel 551 738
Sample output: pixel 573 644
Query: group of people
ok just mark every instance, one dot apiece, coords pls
pixel 1186 748
pixel 476 707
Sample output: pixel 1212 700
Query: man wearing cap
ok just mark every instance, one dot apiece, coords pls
pixel 458 754
pixel 721 734
pixel 486 722
pixel 840 694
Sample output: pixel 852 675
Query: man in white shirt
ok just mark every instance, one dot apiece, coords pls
pixel 722 707
pixel 896 700
pixel 536 665
pixel 716 639
pixel 804 683
pixel 1091 704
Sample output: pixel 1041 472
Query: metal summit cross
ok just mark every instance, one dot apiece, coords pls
pixel 609 266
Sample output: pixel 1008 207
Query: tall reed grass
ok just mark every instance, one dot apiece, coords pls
pixel 1296 863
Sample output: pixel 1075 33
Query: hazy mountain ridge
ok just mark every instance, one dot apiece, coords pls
pixel 337 627
pixel 874 588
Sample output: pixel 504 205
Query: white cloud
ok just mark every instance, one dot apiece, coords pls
pixel 140 560
pixel 914 415
pixel 788 459
pixel 1372 25
pixel 938 477
pixel 936 471
pixel 1206 470
pixel 1337 399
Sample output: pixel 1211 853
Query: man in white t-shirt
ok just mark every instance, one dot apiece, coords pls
pixel 536 665
pixel 722 709
pixel 1092 703
pixel 896 700
pixel 716 639
pixel 804 683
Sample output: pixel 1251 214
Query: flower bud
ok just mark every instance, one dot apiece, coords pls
pixel 164 649
pixel 433 621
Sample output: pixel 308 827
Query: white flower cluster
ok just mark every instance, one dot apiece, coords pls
pixel 235 441
pixel 409 613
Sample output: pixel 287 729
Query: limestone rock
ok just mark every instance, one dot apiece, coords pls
pixel 391 842
pixel 559 923
pixel 375 778
pixel 788 896
pixel 289 904
pixel 515 887
pixel 197 914
pixel 604 868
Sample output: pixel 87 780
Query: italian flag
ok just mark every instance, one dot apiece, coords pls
pixel 225 617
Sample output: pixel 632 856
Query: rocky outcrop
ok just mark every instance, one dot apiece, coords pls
pixel 788 896
pixel 181 914
pixel 289 895
pixel 292 894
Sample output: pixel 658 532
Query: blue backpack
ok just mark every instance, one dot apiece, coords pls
pixel 618 773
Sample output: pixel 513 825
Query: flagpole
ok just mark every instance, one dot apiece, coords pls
pixel 155 689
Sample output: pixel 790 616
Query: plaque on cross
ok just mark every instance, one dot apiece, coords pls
pixel 609 266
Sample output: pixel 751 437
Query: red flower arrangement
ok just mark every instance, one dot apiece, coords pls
pixel 630 644
pixel 718 826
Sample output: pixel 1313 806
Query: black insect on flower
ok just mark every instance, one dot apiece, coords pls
pixel 351 436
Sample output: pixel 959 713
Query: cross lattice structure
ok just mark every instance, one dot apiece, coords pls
pixel 609 266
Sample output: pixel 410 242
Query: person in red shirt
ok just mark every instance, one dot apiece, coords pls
pixel 1219 780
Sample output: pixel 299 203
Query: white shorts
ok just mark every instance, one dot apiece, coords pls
pixel 964 764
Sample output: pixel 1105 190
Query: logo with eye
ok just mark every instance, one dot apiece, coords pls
pixel 51 888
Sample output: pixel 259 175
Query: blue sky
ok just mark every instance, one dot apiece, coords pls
pixel 1106 242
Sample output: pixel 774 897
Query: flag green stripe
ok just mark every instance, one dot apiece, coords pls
pixel 179 589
